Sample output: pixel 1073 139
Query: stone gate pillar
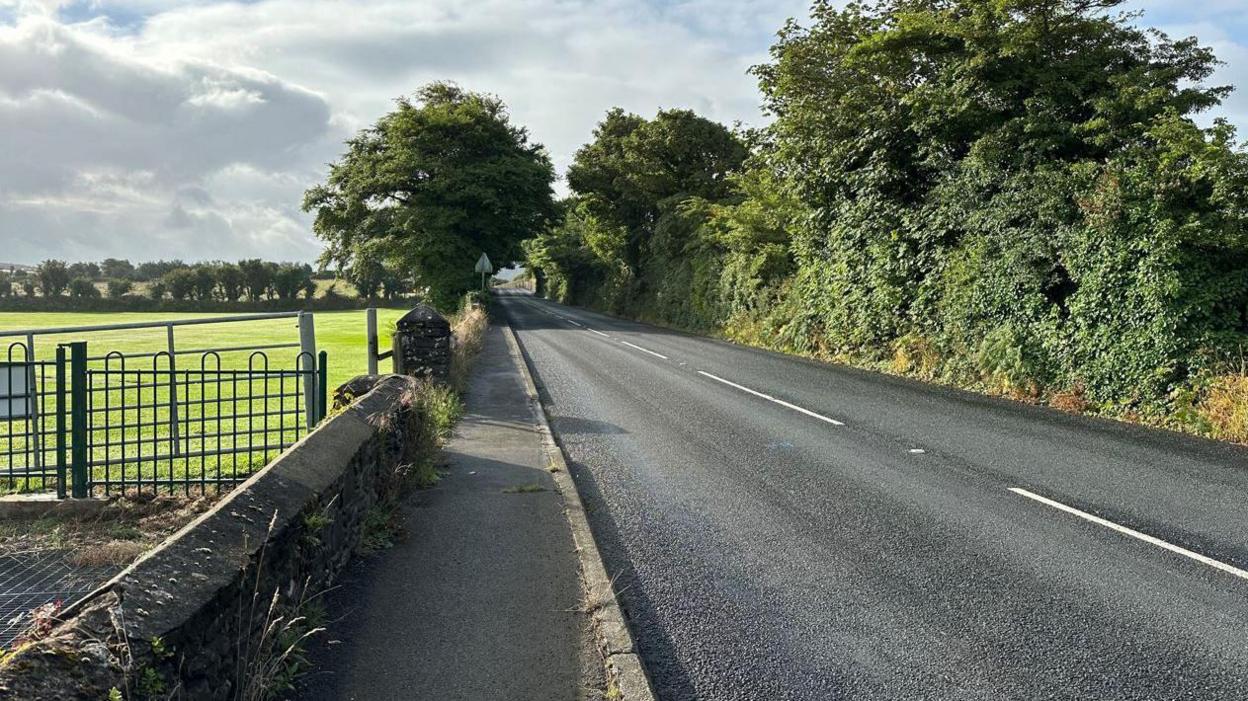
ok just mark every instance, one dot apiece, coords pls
pixel 422 344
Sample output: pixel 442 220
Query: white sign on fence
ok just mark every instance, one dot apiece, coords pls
pixel 15 393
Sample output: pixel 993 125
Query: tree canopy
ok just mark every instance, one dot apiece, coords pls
pixel 1011 192
pixel 432 185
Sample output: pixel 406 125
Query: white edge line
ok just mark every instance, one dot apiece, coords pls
pixel 575 323
pixel 770 398
pixel 644 350
pixel 600 333
pixel 1229 569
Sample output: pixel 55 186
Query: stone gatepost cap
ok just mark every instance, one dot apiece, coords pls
pixel 424 316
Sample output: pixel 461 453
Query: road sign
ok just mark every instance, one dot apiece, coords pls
pixel 483 265
pixel 16 400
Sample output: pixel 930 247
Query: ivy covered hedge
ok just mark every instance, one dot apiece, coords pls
pixel 1012 195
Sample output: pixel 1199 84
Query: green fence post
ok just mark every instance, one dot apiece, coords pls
pixel 60 421
pixel 78 417
pixel 322 387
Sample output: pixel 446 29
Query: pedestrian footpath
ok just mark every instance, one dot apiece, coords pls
pixel 481 598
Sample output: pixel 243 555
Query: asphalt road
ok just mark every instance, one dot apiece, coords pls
pixel 783 537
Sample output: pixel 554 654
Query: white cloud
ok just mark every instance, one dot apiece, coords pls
pixel 113 113
pixel 190 128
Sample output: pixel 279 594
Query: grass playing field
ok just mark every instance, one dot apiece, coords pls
pixel 221 427
pixel 341 334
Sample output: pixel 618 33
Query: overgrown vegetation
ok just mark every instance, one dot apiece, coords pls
pixel 438 408
pixel 1010 196
pixel 273 655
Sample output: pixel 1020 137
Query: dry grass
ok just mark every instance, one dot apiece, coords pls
pixel 468 328
pixel 117 553
pixel 1071 400
pixel 116 535
pixel 916 356
pixel 1225 407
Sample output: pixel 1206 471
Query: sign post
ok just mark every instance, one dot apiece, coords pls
pixel 485 268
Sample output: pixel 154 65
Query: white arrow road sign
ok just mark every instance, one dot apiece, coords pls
pixel 483 265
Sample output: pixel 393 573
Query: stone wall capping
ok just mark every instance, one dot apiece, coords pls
pixel 195 592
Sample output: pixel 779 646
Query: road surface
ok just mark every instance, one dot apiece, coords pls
pixel 785 529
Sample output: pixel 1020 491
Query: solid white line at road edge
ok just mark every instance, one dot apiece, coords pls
pixel 1229 569
pixel 599 332
pixel 644 350
pixel 770 398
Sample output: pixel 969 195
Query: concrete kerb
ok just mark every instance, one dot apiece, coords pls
pixel 41 504
pixel 615 642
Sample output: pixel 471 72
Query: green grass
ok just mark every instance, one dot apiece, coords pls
pixel 208 422
pixel 341 334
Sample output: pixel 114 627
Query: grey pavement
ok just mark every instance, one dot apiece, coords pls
pixel 764 552
pixel 481 598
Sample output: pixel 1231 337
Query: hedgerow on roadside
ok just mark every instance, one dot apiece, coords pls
pixel 1012 197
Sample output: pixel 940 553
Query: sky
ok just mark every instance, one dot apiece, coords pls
pixel 189 129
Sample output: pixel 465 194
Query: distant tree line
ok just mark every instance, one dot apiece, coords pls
pixel 1005 194
pixel 250 280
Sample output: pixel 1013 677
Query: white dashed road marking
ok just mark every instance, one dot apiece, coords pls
pixel 644 350
pixel 770 398
pixel 1229 569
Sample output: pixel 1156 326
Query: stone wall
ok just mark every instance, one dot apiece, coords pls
pixel 422 344
pixel 188 620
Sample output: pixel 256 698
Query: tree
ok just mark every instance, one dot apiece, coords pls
pixel 117 269
pixel 627 239
pixel 230 281
pixel 157 290
pixel 257 278
pixel 634 166
pixel 6 285
pixel 394 283
pixel 366 274
pixel 91 271
pixel 180 283
pixel 53 277
pixel 154 270
pixel 432 185
pixel 119 287
pixel 205 281
pixel 1025 172
pixel 291 279
pixel 83 287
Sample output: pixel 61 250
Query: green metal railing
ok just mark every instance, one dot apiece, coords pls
pixel 129 424
pixel 29 402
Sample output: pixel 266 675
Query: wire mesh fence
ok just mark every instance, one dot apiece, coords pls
pixel 31 580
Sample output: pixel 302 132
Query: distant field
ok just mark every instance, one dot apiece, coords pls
pixel 340 333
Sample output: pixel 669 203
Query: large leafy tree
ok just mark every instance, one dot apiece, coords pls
pixel 53 277
pixel 635 169
pixel 433 184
